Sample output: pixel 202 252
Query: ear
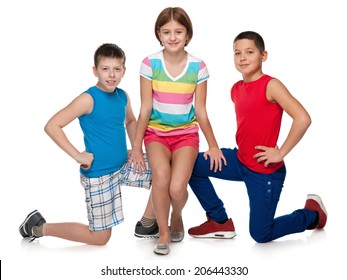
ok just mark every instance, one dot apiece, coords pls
pixel 94 71
pixel 264 56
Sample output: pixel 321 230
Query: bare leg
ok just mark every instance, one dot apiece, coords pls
pixel 159 158
pixel 183 161
pixel 149 212
pixel 77 232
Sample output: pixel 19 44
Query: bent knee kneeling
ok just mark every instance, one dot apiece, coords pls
pixel 261 237
pixel 101 241
pixel 101 238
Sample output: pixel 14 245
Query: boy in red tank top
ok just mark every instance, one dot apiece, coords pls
pixel 258 160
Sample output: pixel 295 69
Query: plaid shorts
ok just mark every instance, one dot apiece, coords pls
pixel 104 201
pixel 131 179
pixel 104 198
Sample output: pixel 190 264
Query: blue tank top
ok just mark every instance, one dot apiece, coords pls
pixel 104 131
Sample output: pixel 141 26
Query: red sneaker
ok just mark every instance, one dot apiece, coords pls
pixel 212 229
pixel 314 203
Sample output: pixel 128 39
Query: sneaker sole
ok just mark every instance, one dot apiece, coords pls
pixel 21 227
pixel 319 200
pixel 321 224
pixel 146 236
pixel 219 235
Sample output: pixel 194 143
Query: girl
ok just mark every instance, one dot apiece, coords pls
pixel 168 122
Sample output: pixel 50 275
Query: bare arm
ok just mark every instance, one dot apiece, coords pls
pixel 82 104
pixel 130 122
pixel 215 154
pixel 277 92
pixel 142 123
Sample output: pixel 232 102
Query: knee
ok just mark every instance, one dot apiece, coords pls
pixel 178 192
pixel 260 237
pixel 161 180
pixel 101 238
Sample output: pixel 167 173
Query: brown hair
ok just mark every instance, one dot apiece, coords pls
pixel 176 14
pixel 109 50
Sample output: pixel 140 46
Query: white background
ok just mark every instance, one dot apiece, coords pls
pixel 46 56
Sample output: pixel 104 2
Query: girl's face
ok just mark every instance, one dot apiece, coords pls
pixel 248 59
pixel 109 72
pixel 173 36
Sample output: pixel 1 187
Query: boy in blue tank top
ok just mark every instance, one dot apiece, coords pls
pixel 105 116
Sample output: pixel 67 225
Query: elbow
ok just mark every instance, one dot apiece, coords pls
pixel 48 128
pixel 200 115
pixel 307 121
pixel 131 122
pixel 303 121
pixel 144 115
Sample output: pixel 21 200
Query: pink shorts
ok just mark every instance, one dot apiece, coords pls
pixel 173 142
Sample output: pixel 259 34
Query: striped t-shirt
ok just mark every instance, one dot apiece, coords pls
pixel 173 111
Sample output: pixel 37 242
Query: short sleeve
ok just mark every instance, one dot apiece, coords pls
pixel 203 74
pixel 146 69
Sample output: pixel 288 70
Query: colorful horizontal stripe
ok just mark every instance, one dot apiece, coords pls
pixel 173 111
pixel 173 98
pixel 179 130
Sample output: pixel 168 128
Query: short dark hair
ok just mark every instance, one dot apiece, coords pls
pixel 177 14
pixel 109 50
pixel 254 36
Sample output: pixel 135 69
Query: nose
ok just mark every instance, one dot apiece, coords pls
pixel 242 57
pixel 172 36
pixel 111 73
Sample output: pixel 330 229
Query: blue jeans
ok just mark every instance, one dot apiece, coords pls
pixel 263 190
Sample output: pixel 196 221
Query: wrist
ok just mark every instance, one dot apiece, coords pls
pixel 136 149
pixel 213 147
pixel 77 156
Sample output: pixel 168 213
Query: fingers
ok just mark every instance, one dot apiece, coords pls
pixel 85 166
pixel 216 160
pixel 261 158
pixel 211 163
pixel 216 164
pixel 268 155
pixel 224 160
pixel 85 160
pixel 138 165
pixel 141 167
pixel 264 148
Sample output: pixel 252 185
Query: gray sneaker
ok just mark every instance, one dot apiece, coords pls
pixel 146 232
pixel 32 220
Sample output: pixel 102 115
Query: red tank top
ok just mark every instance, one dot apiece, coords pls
pixel 258 122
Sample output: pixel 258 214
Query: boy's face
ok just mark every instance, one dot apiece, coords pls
pixel 109 72
pixel 248 59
